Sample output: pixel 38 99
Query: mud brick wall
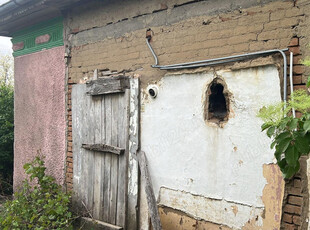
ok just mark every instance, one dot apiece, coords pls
pixel 110 37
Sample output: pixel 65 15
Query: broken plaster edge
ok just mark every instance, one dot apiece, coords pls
pixel 220 211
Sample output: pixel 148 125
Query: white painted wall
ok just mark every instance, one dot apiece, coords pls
pixel 185 154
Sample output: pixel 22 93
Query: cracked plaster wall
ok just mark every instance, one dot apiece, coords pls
pixel 212 173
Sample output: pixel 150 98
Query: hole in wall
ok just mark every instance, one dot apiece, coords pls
pixel 217 102
pixel 152 90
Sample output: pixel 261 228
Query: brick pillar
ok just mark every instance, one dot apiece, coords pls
pixel 295 203
pixel 69 160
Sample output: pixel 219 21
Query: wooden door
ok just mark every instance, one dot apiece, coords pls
pixel 100 126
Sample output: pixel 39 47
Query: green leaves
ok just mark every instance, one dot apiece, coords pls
pixel 302 145
pixel 307 126
pixel 291 156
pixel 40 206
pixel 6 136
pixel 291 136
pixel 293 124
pixel 270 131
pixel 308 82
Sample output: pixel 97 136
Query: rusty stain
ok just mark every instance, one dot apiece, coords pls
pixel 234 209
pixel 240 162
pixel 235 149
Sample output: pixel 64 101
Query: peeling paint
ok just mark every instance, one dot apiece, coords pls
pixel 176 220
pixel 218 211
pixel 211 173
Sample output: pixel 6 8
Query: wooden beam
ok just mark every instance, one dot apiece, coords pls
pixel 151 200
pixel 89 223
pixel 107 85
pixel 104 148
pixel 133 168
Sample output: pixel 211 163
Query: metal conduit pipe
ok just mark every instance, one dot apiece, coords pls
pixel 222 60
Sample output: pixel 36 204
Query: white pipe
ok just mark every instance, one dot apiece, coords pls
pixel 291 81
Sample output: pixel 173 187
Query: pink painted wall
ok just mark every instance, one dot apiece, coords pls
pixel 40 112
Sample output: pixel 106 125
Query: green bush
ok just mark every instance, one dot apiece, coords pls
pixel 40 203
pixel 6 137
pixel 291 136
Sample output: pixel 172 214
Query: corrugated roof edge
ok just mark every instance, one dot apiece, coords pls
pixel 19 14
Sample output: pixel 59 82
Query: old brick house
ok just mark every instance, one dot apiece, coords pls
pixel 87 77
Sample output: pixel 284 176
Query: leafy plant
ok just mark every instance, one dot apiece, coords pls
pixel 6 137
pixel 6 69
pixel 40 204
pixel 291 136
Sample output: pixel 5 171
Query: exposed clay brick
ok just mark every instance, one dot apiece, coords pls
pixel 295 200
pixel 248 29
pixel 275 34
pixel 295 50
pixel 297 79
pixel 297 220
pixel 294 42
pixel 69 154
pixel 297 59
pixel 297 183
pixel 263 45
pixel 300 87
pixel 293 12
pixel 292 209
pixel 298 69
pixel 289 226
pixel 251 13
pixel 69 165
pixel 241 47
pixel 69 179
pixel 70 170
pixel 69 159
pixel 69 184
pixel 288 218
pixel 277 15
pixel 69 149
pixel 295 191
pixel 304 79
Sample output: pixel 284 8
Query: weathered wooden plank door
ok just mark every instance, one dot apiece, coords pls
pixel 101 155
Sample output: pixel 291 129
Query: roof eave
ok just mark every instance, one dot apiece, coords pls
pixel 19 14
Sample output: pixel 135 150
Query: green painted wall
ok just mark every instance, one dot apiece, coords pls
pixel 28 36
